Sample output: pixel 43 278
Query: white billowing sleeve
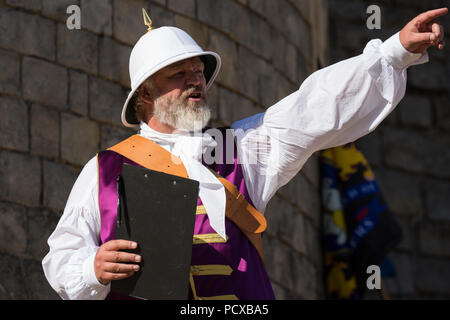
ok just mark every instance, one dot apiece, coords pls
pixel 69 264
pixel 334 106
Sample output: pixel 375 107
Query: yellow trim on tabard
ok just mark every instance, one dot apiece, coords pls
pixel 192 283
pixel 208 238
pixel 200 210
pixel 223 297
pixel 211 269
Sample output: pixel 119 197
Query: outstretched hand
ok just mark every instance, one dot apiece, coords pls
pixel 423 32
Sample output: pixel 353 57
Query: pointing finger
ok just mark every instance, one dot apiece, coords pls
pixel 431 15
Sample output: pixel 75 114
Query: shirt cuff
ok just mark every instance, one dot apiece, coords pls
pixel 89 273
pixel 400 58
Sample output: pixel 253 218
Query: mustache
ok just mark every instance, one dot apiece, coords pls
pixel 186 93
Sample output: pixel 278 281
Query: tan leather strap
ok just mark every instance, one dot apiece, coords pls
pixel 152 156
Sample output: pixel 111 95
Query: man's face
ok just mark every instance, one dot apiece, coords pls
pixel 181 100
pixel 175 79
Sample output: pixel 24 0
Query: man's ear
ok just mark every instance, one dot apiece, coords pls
pixel 146 95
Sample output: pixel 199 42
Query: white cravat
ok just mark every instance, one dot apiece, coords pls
pixel 189 147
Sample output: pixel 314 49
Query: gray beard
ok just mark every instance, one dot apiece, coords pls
pixel 181 113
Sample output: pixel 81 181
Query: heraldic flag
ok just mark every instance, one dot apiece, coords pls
pixel 359 229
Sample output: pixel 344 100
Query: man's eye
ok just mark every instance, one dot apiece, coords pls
pixel 178 75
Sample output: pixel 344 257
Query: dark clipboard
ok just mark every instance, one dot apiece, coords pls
pixel 156 210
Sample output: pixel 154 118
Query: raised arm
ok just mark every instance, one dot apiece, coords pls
pixel 333 106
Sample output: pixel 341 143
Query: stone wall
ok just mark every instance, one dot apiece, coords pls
pixel 410 151
pixel 61 94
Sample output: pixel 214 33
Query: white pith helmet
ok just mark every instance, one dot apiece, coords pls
pixel 157 49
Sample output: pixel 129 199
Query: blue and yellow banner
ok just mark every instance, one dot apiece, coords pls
pixel 358 228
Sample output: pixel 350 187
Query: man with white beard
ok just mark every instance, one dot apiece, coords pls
pixel 170 75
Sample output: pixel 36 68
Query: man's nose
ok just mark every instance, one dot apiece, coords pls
pixel 194 78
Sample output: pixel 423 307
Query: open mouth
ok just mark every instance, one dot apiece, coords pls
pixel 196 96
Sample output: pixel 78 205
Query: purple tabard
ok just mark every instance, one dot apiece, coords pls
pixel 246 278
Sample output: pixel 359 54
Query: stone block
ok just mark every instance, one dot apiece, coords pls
pixel 403 285
pixel 27 33
pixel 252 32
pixel 199 32
pixel 291 62
pixel 313 243
pixel 274 214
pixel 408 227
pixel 80 139
pixel 112 135
pixel 349 10
pixel 268 84
pixel 114 61
pixel 294 233
pixel 106 100
pixel 128 25
pixel 436 200
pixel 215 13
pixel 228 51
pixel 420 152
pixel 432 76
pixel 185 7
pixel 163 17
pixel 160 2
pixel 250 69
pixel 97 16
pixel 13 118
pixel 276 256
pixel 304 278
pixel 13 229
pixel 41 223
pixel 297 30
pixel 213 101
pixel 12 283
pixel 286 223
pixel 303 6
pixel 58 181
pixel 44 83
pixel 281 293
pixel 432 277
pixel 77 49
pixel 311 170
pixel 34 5
pixel 44 131
pixel 305 69
pixel 442 105
pixel 369 146
pixel 434 239
pixel 234 107
pixel 57 9
pixel 401 191
pixel 415 110
pixel 10 75
pixel 20 179
pixel 36 284
pixel 304 196
pixel 78 93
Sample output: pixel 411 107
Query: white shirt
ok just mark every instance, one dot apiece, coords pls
pixel 333 106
